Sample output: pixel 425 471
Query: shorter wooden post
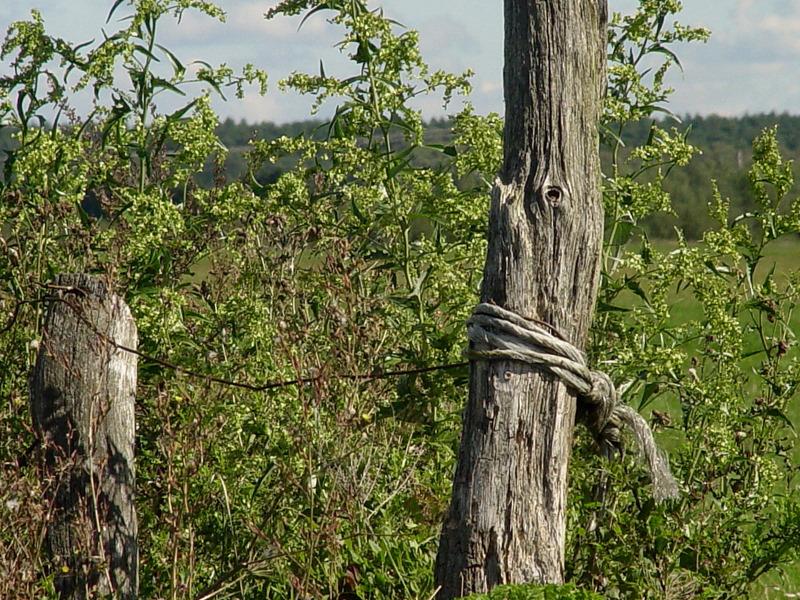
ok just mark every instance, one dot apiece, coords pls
pixel 82 404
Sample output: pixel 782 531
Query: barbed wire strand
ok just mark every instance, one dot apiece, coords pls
pixel 210 378
pixel 495 334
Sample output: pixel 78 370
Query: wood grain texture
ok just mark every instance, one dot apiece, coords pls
pixel 82 404
pixel 506 522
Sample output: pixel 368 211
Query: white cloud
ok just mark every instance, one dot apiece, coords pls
pixel 742 12
pixel 749 64
pixel 245 24
pixel 255 109
pixel 249 17
pixel 768 28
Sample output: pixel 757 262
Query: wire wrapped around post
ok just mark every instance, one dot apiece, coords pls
pixel 499 334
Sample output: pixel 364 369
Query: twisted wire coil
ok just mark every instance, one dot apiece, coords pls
pixel 499 334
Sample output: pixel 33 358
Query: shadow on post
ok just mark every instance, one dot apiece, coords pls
pixel 82 403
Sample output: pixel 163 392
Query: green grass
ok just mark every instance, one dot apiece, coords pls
pixel 782 258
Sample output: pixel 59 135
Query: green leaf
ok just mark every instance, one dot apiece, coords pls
pixel 113 9
pixel 780 415
pixel 648 394
pixel 146 51
pixel 633 285
pixel 316 9
pixel 178 114
pixel 449 149
pixel 664 50
pixel 178 67
pixel 622 232
pixel 606 307
pixel 158 82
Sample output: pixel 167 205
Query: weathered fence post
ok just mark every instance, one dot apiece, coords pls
pixel 506 522
pixel 82 403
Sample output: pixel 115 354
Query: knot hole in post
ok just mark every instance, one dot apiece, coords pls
pixel 553 194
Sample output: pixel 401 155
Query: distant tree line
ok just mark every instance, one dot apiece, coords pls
pixel 725 143
pixel 726 146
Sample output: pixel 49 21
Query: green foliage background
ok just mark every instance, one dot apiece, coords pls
pixel 726 156
pixel 350 249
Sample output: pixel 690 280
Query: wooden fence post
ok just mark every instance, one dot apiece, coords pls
pixel 507 517
pixel 82 404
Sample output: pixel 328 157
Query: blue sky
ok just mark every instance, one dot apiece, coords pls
pixel 750 65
